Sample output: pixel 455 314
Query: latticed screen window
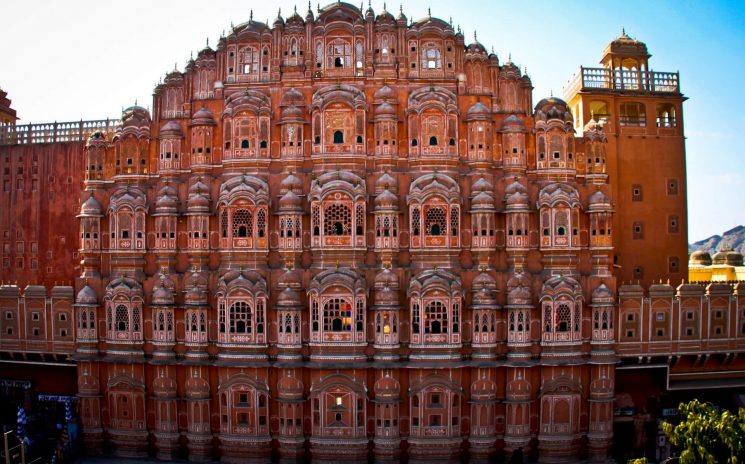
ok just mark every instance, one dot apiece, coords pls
pixel 339 54
pixel 454 221
pixel 316 219
pixel 360 316
pixel 548 323
pixel 435 223
pixel 563 318
pixel 337 316
pixel 314 314
pixel 415 221
pixel 122 318
pixel 415 317
pixel 577 318
pixel 249 60
pixel 431 56
pixel 436 318
pixel 242 223
pixel 337 220
pixel 261 223
pixel 224 223
pixel 240 318
pixel 360 219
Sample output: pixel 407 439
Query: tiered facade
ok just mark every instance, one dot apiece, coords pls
pixel 346 236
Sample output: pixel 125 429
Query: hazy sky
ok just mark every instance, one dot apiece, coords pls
pixel 77 60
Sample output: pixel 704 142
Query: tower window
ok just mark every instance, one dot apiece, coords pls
pixel 638 231
pixel 636 192
pixel 672 186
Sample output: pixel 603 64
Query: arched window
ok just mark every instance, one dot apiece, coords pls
pixel 240 318
pixel 338 219
pixel 248 59
pixel 435 318
pixel 431 56
pixel 242 223
pixel 433 140
pixel 563 318
pixel 338 137
pixel 122 318
pixel 339 54
pixel 435 223
pixel 337 315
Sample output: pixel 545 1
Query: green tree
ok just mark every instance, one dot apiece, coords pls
pixel 707 435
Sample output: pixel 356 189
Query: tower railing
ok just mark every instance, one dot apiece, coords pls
pixel 630 80
pixel 56 132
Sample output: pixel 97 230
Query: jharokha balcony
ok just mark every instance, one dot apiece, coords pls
pixel 55 132
pixel 621 79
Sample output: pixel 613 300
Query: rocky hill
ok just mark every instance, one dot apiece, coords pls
pixel 735 238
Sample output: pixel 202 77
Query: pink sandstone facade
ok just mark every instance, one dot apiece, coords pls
pixel 350 236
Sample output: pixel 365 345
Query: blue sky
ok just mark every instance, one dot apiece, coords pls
pixel 88 59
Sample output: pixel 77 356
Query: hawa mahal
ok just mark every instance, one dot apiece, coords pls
pixel 349 236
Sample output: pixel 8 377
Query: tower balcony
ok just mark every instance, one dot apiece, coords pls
pixel 622 80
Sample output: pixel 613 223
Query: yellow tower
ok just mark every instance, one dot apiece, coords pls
pixel 7 114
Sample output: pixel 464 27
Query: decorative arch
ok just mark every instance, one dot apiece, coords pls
pixel 241 301
pixel 559 209
pixel 127 212
pixel 434 212
pixel 338 406
pixel 432 115
pixel 338 302
pixel 435 298
pixel 246 121
pixel 338 202
pixel 561 309
pixel 244 406
pixel 436 403
pixel 243 209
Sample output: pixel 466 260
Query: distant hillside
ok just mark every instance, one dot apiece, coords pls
pixel 735 238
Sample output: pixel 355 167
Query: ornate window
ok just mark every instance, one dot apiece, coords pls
pixel 244 407
pixel 242 308
pixel 124 310
pixel 435 408
pixel 243 205
pixel 338 315
pixel 431 56
pixel 338 211
pixel 339 54
pixel 559 217
pixel 562 310
pixel 434 196
pixel 435 300
pixel 338 407
pixel 196 326
pixel 248 60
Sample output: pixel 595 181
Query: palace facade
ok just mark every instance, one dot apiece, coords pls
pixel 350 236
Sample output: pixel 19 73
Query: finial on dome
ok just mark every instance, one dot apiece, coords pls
pixel 279 12
pixel 429 12
pixel 475 38
pixel 208 42
pixel 623 31
pixel 250 17
pixel 175 66
pixel 310 7
pixel 384 7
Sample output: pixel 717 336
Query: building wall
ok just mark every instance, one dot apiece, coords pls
pixel 452 279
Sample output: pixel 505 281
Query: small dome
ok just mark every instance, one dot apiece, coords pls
pixel 602 294
pixel 292 114
pixel 86 296
pixel 482 200
pixel 203 117
pixel 290 388
pixel 385 110
pixel 292 97
pixel 91 208
pixel 289 297
pixel 384 16
pixel 387 388
pixel 519 296
pixel 386 279
pixel 171 129
pixel 478 112
pixel 162 295
pixel 733 259
pixel 476 48
pixel 385 93
pixel 386 200
pixel 290 182
pixel 599 201
pixel 166 202
pixel 195 296
pixel 483 280
pixel 198 203
pixel 482 185
pixel 516 195
pixel 290 201
pixel 386 182
pixel 96 139
pixel 290 279
pixel 700 258
pixel 513 124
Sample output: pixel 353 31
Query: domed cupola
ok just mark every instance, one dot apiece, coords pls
pixel 86 296
pixel 91 208
pixel 700 258
pixel 171 129
pixel 290 202
pixel 166 204
pixel 203 117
